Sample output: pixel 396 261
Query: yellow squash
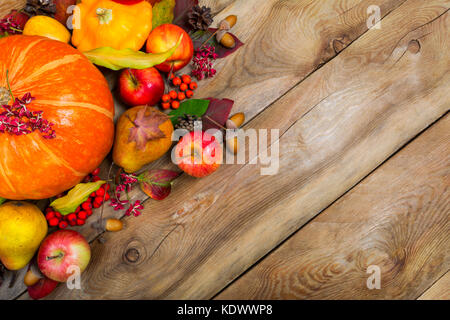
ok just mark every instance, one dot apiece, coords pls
pixel 105 23
pixel 46 27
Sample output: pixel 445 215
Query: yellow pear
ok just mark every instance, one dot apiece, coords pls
pixel 143 135
pixel 22 229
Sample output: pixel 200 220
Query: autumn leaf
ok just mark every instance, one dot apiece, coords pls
pixel 195 107
pixel 199 38
pixel 163 12
pixel 2 200
pixel 146 127
pixel 76 196
pixel 127 58
pixel 181 11
pixel 218 113
pixel 157 183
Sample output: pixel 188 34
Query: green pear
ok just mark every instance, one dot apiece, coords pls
pixel 22 229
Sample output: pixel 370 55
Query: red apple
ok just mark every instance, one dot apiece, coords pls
pixel 198 154
pixel 63 13
pixel 60 251
pixel 42 288
pixel 141 87
pixel 165 37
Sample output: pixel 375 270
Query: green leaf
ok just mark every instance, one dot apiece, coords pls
pixel 195 107
pixel 79 194
pixel 127 58
pixel 2 200
pixel 163 12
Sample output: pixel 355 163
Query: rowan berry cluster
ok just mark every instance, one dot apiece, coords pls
pixel 186 88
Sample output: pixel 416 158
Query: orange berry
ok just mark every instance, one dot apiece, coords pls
pixel 181 96
pixel 172 75
pixel 186 78
pixel 176 81
pixel 193 85
pixel 189 93
pixel 173 94
pixel 175 104
pixel 166 105
pixel 183 87
pixel 165 98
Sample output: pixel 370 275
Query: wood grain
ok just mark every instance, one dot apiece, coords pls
pixel 271 76
pixel 438 291
pixel 336 126
pixel 7 5
pixel 398 218
pixel 347 16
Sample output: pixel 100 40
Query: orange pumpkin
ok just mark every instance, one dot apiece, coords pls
pixel 72 94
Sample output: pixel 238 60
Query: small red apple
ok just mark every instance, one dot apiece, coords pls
pixel 42 288
pixel 63 13
pixel 198 154
pixel 60 251
pixel 141 87
pixel 165 37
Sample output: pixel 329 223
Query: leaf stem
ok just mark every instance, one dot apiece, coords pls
pixel 209 38
pixel 215 122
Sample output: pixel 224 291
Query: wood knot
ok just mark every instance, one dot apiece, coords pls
pixel 339 44
pixel 414 46
pixel 132 255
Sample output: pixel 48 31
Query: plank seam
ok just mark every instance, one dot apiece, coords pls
pixel 437 280
pixel 332 203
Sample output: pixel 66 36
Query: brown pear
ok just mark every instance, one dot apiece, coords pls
pixel 143 135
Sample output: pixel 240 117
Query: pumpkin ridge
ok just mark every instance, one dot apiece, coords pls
pixel 2 168
pixel 20 58
pixel 72 104
pixel 47 67
pixel 56 159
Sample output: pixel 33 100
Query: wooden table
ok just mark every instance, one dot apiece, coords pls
pixel 364 167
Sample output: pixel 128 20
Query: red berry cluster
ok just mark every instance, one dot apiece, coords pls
pixel 83 211
pixel 93 177
pixel 186 87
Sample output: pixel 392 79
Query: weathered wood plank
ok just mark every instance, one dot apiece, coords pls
pixel 438 291
pixel 348 18
pixel 7 5
pixel 398 219
pixel 337 126
pixel 271 78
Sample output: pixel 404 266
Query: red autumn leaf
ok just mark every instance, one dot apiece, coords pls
pixel 181 11
pixel 42 288
pixel 146 127
pixel 157 183
pixel 199 38
pixel 217 114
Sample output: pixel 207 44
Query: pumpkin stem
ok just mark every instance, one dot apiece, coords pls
pixel 104 15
